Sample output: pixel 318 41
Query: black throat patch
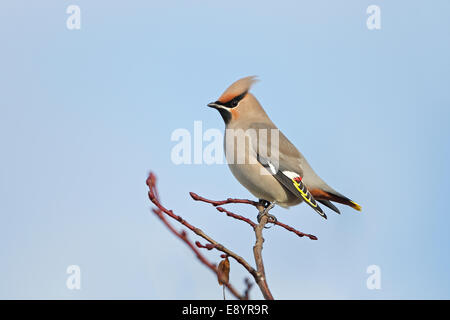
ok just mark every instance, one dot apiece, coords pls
pixel 226 115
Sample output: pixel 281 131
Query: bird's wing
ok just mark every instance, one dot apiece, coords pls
pixel 282 162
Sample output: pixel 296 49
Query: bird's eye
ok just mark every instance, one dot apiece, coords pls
pixel 234 103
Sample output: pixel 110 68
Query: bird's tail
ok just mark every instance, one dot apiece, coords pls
pixel 335 196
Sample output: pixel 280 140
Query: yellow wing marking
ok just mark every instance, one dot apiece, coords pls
pixel 304 194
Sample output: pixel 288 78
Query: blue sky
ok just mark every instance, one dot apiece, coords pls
pixel 86 114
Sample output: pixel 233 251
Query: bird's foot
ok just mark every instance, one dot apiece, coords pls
pixel 267 207
pixel 264 203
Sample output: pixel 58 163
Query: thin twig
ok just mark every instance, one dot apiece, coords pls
pixel 299 233
pixel 183 236
pixel 236 216
pixel 196 197
pixel 249 287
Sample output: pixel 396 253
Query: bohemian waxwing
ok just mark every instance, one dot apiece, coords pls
pixel 281 176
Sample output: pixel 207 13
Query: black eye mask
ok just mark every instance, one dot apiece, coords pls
pixel 233 102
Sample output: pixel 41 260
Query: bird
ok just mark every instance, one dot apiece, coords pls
pixel 280 177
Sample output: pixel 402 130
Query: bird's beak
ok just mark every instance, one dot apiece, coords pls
pixel 214 105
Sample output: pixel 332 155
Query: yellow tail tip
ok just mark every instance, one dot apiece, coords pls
pixel 356 206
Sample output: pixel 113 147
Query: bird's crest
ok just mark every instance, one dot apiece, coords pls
pixel 237 88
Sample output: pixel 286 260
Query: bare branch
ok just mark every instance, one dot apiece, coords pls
pixel 257 252
pixel 258 273
pixel 153 195
pixel 183 236
pixel 216 204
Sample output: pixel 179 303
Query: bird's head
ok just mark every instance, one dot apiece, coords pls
pixel 235 99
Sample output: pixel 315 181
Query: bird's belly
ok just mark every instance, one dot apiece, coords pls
pixel 262 184
pixel 252 175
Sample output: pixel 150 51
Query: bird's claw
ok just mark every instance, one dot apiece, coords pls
pixel 267 207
